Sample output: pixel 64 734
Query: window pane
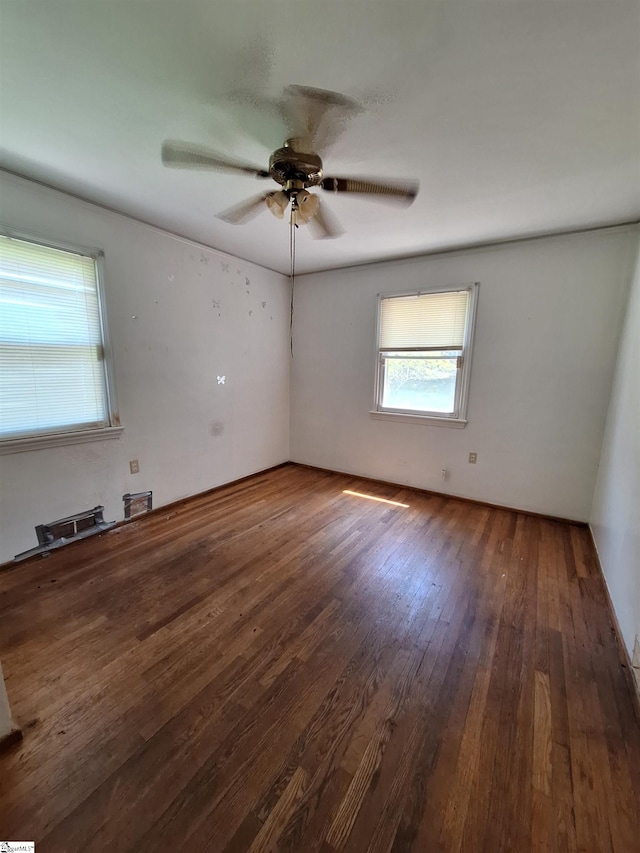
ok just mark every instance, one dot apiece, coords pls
pixel 50 389
pixel 420 384
pixel 52 376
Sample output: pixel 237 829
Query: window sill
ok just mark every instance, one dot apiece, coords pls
pixel 429 420
pixel 38 442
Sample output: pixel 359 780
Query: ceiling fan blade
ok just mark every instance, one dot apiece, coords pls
pixel 184 155
pixel 315 117
pixel 246 210
pixel 324 225
pixel 393 191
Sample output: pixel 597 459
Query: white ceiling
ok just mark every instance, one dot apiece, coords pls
pixel 517 118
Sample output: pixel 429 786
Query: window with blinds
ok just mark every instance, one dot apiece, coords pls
pixel 424 344
pixel 52 367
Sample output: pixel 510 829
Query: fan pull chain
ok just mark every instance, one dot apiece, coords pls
pixel 292 255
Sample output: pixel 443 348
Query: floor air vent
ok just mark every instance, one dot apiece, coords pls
pixel 65 530
pixel 137 503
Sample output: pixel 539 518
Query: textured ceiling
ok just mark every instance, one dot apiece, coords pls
pixel 517 118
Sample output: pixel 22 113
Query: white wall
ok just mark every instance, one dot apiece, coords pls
pixel 615 517
pixel 549 319
pixel 198 314
pixel 6 723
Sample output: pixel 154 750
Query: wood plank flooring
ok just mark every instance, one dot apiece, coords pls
pixel 282 666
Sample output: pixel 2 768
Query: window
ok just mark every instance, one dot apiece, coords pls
pixel 424 354
pixel 54 377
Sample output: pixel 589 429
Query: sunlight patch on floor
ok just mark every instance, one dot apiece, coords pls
pixel 372 498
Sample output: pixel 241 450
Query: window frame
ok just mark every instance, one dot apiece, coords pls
pixel 113 429
pixel 459 417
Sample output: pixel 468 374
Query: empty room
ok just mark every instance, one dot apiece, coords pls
pixel 320 426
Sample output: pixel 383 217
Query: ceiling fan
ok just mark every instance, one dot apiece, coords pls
pixel 314 117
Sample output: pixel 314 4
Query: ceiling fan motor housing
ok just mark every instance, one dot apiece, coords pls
pixel 286 164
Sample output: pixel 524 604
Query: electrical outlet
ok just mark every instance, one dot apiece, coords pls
pixel 473 458
pixel 134 467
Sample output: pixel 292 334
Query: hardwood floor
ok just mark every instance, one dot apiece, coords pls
pixel 283 666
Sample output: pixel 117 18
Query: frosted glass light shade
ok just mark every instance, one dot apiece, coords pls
pixel 308 205
pixel 278 203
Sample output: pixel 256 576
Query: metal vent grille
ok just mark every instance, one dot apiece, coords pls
pixel 55 534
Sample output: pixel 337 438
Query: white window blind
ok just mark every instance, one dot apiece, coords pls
pixel 52 376
pixel 429 321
